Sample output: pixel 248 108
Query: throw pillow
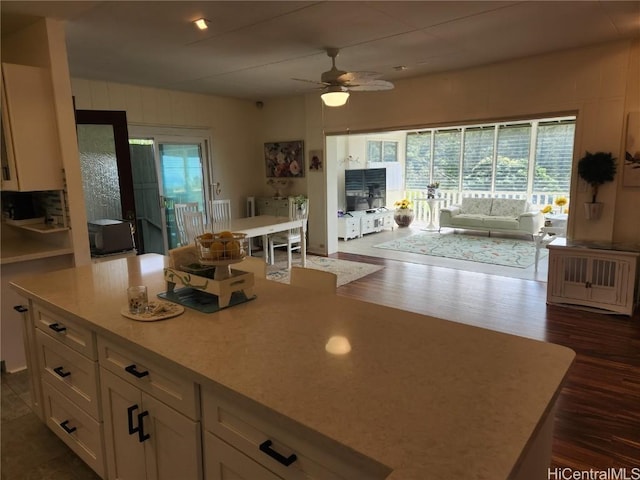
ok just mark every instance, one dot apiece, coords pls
pixel 508 207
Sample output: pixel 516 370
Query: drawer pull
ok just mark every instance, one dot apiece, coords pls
pixel 286 461
pixel 20 309
pixel 140 428
pixel 132 370
pixel 60 371
pixel 56 327
pixel 66 428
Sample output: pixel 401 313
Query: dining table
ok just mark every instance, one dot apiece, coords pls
pixel 265 225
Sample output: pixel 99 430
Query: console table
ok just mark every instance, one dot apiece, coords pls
pixel 594 276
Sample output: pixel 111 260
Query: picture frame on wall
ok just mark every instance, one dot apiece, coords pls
pixel 316 162
pixel 631 173
pixel 284 159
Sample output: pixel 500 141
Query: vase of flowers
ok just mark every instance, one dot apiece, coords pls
pixel 432 189
pixel 403 215
pixel 560 203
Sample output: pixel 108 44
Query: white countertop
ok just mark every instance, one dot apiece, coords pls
pixel 426 397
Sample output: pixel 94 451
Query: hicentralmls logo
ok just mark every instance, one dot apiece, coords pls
pixel 592 474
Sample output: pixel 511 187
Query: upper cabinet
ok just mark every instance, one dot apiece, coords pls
pixel 31 155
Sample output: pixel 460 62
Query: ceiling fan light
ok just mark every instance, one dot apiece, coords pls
pixel 335 97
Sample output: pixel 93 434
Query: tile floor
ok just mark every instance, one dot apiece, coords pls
pixel 29 450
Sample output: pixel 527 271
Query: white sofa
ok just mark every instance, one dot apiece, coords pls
pixel 493 215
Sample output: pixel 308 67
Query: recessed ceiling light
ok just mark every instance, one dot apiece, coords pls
pixel 202 23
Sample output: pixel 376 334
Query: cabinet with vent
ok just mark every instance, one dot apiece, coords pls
pixel 601 277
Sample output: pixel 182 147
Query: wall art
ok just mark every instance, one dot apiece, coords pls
pixel 315 162
pixel 284 159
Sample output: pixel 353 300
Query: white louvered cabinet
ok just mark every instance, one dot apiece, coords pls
pixel 603 279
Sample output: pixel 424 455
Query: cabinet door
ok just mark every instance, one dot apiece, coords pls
pixel 173 449
pixel 125 452
pixel 607 277
pixel 223 462
pixel 575 275
pixel 30 130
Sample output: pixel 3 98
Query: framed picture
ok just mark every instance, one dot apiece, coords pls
pixel 315 160
pixel 632 151
pixel 284 159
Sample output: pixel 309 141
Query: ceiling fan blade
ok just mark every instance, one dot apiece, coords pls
pixel 371 86
pixel 310 81
pixel 357 77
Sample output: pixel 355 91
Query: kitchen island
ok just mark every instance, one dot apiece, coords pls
pixel 358 387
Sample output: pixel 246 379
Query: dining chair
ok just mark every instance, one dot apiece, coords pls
pixel 310 278
pixel 255 265
pixel 219 213
pixel 179 210
pixel 193 225
pixel 291 239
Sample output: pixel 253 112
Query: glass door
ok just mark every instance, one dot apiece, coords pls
pixel 173 168
pixel 182 174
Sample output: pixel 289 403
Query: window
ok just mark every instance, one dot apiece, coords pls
pixel 381 151
pixel 553 159
pixel 446 158
pixel 528 157
pixel 477 163
pixel 418 160
pixel 512 162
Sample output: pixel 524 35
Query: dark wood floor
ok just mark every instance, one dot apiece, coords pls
pixel 598 419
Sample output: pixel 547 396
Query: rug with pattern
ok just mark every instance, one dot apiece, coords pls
pixel 346 271
pixel 507 252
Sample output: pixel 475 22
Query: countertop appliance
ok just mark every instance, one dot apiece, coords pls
pixel 109 236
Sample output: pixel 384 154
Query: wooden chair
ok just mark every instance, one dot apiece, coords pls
pixel 255 265
pixel 179 210
pixel 193 225
pixel 317 280
pixel 219 214
pixel 291 239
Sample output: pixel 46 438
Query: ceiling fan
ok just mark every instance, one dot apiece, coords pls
pixel 337 83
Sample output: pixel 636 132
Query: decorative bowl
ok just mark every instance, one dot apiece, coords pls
pixel 221 250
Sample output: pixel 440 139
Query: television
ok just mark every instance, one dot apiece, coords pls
pixel 365 188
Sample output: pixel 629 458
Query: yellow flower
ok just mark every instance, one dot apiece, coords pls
pixel 547 209
pixel 403 204
pixel 561 201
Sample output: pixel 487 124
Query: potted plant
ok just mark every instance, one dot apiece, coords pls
pixel 403 215
pixel 596 169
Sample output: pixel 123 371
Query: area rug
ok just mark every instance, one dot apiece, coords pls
pixel 507 252
pixel 345 270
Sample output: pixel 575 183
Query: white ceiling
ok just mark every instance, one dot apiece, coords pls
pixel 253 50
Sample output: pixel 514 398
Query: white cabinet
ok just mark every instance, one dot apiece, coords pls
pixel 272 206
pixel 69 384
pixel 146 438
pixel 245 441
pixel 596 278
pixel 31 155
pixel 348 227
pixel 152 427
